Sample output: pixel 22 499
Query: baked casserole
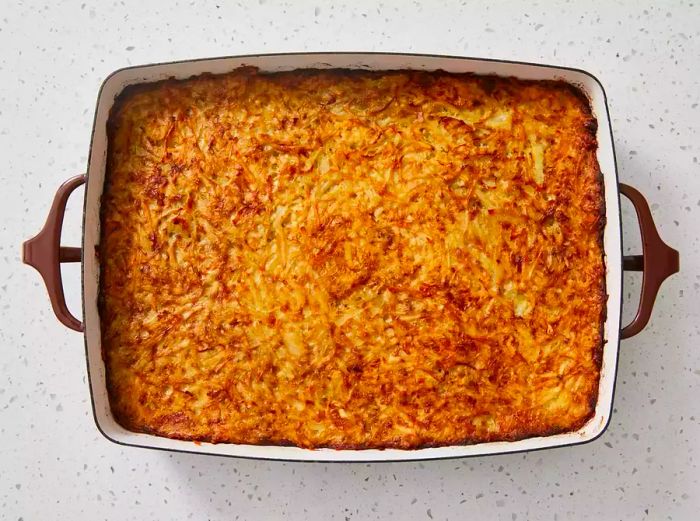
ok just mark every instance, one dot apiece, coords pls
pixel 352 259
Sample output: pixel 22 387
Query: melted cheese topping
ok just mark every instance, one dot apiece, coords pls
pixel 352 259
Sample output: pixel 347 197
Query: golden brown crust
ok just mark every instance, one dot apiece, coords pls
pixel 352 259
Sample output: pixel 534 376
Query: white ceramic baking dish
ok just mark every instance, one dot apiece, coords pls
pixel 45 253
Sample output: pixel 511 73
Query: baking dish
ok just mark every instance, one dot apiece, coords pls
pixel 44 252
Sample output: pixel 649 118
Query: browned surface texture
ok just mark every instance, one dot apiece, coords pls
pixel 352 259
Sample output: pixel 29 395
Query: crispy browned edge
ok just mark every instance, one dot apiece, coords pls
pixel 591 127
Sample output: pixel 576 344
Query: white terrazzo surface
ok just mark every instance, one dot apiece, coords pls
pixel 53 462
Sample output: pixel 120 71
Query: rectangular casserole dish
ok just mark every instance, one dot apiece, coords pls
pixel 44 252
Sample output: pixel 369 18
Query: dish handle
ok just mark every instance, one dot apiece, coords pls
pixel 45 253
pixel 657 262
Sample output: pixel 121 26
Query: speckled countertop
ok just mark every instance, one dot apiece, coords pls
pixel 53 462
